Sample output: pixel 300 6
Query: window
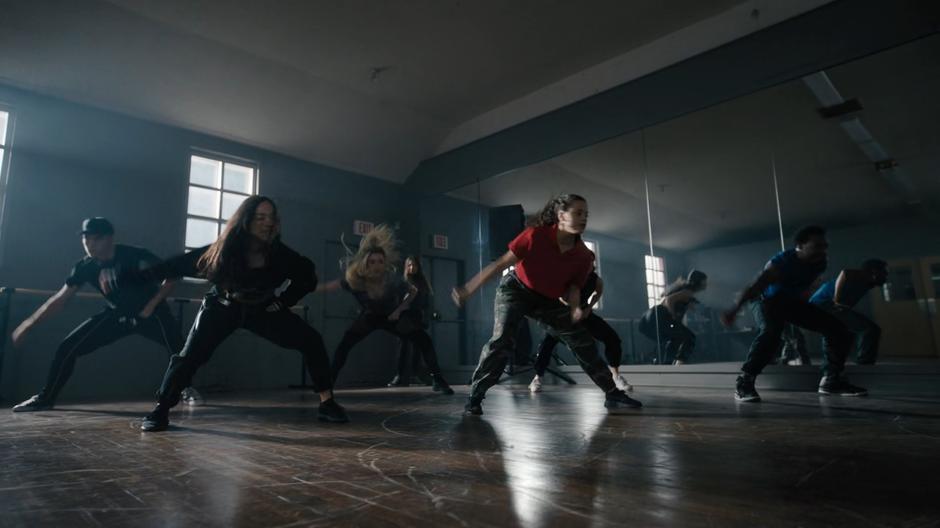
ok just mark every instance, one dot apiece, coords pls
pixel 216 188
pixel 592 245
pixel 6 132
pixel 655 279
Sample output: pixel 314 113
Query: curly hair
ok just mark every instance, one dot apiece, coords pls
pixel 380 240
pixel 548 215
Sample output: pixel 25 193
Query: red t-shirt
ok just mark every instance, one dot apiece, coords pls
pixel 544 268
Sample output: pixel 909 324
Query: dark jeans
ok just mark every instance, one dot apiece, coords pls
pixel 599 330
pixel 678 341
pixel 792 340
pixel 514 302
pixel 217 320
pixel 103 329
pixel 776 313
pixel 866 333
pixel 405 329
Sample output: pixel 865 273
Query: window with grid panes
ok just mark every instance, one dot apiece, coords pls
pixel 216 188
pixel 655 279
pixel 5 133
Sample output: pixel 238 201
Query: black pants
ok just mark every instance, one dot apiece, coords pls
pixel 792 340
pixel 514 302
pixel 103 329
pixel 776 313
pixel 678 341
pixel 409 362
pixel 217 319
pixel 599 329
pixel 405 329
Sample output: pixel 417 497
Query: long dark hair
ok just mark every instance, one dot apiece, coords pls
pixel 548 215
pixel 419 279
pixel 225 258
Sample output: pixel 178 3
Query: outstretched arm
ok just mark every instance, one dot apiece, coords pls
pixel 460 294
pixel 751 292
pixel 49 308
pixel 331 286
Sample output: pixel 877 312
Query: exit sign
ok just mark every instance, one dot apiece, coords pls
pixel 439 241
pixel 362 228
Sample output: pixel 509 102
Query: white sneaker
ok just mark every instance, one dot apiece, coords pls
pixel 536 385
pixel 622 384
pixel 678 362
pixel 191 396
pixel 795 362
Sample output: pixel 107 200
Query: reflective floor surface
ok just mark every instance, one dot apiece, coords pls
pixel 690 457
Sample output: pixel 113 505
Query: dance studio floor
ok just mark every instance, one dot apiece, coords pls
pixel 691 457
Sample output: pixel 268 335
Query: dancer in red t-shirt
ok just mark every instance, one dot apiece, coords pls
pixel 550 262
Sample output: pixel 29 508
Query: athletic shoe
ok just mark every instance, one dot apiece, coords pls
pixel 330 411
pixel 745 391
pixel 622 384
pixel 34 403
pixel 839 386
pixel 439 384
pixel 617 399
pixel 191 396
pixel 474 406
pixel 678 362
pixel 157 420
pixel 536 384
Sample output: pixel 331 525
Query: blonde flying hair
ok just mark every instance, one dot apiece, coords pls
pixel 380 240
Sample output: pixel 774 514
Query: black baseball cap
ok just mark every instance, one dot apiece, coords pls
pixel 97 225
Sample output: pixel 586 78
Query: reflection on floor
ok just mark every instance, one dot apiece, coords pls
pixel 691 457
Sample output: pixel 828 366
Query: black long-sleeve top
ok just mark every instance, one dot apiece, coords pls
pixel 255 285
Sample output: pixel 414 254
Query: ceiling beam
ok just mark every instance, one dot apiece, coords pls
pixel 836 33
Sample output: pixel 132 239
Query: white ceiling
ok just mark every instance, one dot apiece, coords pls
pixel 710 172
pixel 294 76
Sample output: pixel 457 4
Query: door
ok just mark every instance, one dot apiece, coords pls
pixel 448 323
pixel 902 311
pixel 930 271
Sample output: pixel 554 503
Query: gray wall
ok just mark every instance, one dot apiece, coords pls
pixel 71 161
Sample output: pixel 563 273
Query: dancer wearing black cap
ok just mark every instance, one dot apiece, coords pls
pixel 663 322
pixel 246 265
pixel 138 308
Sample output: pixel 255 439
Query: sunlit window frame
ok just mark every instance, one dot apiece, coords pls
pixel 655 272
pixel 224 159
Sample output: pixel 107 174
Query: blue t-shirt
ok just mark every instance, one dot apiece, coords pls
pixel 825 293
pixel 796 276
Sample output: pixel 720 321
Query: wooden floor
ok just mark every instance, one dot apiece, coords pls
pixel 691 457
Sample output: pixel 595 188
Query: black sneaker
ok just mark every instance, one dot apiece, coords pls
pixel 745 391
pixel 34 403
pixel 438 384
pixel 157 420
pixel 839 386
pixel 617 399
pixel 330 411
pixel 397 382
pixel 474 406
